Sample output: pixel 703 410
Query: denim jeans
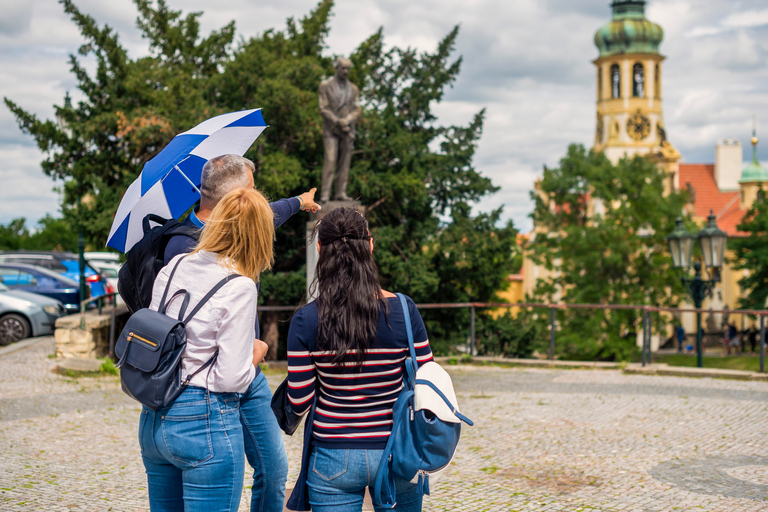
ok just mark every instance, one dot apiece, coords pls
pixel 193 453
pixel 337 479
pixel 263 447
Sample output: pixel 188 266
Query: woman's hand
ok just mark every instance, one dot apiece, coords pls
pixel 259 351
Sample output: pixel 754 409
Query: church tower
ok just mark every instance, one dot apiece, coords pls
pixel 629 115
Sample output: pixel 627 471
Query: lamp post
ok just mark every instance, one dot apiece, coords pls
pixel 712 240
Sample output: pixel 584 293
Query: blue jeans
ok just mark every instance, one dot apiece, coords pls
pixel 193 453
pixel 337 480
pixel 263 447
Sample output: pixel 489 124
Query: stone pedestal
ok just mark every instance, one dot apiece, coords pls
pixel 312 240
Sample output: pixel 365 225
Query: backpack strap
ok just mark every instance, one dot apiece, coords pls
pixel 445 399
pixel 151 217
pixel 409 368
pixel 168 284
pixel 210 294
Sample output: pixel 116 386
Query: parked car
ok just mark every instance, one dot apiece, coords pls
pixel 66 263
pixel 24 314
pixel 98 257
pixel 109 271
pixel 30 278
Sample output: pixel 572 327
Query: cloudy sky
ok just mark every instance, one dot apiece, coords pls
pixel 527 61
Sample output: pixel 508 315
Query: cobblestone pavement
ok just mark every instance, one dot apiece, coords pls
pixel 543 440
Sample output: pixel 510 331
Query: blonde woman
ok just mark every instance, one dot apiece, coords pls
pixel 193 450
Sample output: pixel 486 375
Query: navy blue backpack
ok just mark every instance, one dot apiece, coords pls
pixel 426 427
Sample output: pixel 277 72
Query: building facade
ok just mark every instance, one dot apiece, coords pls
pixel 630 121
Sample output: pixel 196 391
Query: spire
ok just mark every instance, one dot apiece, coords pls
pixel 754 172
pixel 754 140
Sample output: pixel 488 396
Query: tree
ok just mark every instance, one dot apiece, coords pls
pixel 751 254
pixel 50 235
pixel 133 107
pixel 601 228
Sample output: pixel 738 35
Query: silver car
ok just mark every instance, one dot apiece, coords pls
pixel 24 314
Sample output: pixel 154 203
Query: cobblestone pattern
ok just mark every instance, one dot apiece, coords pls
pixel 544 440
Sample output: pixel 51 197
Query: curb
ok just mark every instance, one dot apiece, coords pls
pixel 528 363
pixel 21 345
pixel 685 371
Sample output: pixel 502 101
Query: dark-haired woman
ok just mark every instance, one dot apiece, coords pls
pixel 349 348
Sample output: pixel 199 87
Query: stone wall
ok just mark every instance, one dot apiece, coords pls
pixel 87 338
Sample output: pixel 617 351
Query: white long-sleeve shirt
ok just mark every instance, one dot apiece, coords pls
pixel 226 322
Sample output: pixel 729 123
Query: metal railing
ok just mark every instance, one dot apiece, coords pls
pixel 647 319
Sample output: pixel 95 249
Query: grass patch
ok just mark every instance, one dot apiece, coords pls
pixel 745 363
pixel 108 367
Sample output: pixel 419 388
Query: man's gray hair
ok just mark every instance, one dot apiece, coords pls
pixel 223 174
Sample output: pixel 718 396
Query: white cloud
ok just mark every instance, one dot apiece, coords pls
pixel 747 19
pixel 528 62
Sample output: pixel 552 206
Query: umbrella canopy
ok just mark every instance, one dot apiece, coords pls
pixel 170 183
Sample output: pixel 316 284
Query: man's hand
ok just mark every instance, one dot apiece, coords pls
pixel 308 201
pixel 344 125
pixel 259 351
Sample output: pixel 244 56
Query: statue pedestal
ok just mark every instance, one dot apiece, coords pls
pixel 312 240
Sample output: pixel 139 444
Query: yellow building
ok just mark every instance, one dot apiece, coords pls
pixel 630 121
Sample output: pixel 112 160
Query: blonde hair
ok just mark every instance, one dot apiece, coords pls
pixel 240 230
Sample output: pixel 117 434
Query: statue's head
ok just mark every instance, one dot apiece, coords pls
pixel 343 66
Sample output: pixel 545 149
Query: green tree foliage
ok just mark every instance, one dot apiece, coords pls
pixel 751 254
pixel 602 227
pixel 133 107
pixel 50 235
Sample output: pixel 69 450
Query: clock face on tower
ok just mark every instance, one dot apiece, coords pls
pixel 638 126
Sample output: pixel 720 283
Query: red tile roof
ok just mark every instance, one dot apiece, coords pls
pixel 725 205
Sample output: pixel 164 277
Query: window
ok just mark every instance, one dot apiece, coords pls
pixel 47 282
pixel 27 279
pixel 657 82
pixel 760 195
pixel 638 80
pixel 13 277
pixel 615 81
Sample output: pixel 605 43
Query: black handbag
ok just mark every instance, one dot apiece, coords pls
pixel 151 346
pixel 287 420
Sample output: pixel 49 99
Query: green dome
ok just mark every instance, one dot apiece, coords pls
pixel 754 171
pixel 628 31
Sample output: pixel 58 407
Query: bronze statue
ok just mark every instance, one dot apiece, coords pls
pixel 340 112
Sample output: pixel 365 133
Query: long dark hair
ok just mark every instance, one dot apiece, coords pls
pixel 347 286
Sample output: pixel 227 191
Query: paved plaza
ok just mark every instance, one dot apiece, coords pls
pixel 543 440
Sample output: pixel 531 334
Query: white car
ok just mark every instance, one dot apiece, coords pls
pixel 96 258
pixel 109 270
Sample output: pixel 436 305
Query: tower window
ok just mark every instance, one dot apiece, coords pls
pixel 657 82
pixel 638 80
pixel 615 81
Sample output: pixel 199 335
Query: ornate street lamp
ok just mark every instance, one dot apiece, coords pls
pixel 712 241
pixel 680 245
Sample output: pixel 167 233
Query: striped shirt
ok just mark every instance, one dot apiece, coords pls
pixel 354 407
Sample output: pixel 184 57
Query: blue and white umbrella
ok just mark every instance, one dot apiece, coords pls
pixel 170 183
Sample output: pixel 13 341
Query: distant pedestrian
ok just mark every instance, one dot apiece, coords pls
pixel 733 338
pixel 750 335
pixel 680 334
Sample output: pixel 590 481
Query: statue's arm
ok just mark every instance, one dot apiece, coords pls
pixel 354 116
pixel 325 107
